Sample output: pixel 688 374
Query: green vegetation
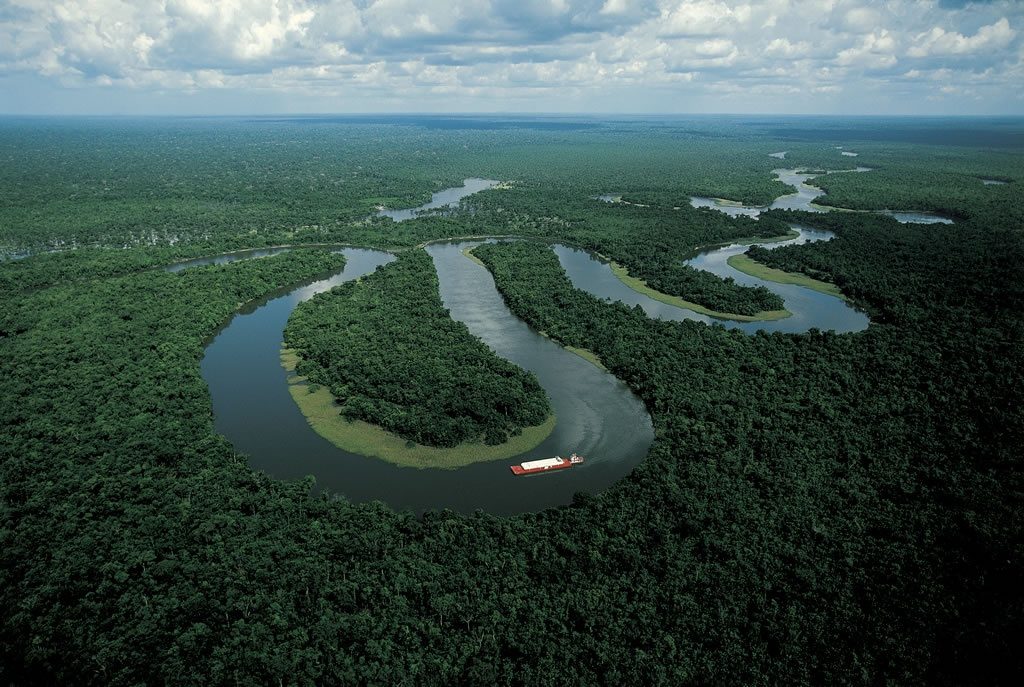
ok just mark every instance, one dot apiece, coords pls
pixel 641 286
pixel 862 442
pixel 220 187
pixel 468 252
pixel 390 354
pixel 747 265
pixel 650 242
pixel 320 408
pixel 816 509
pixel 586 355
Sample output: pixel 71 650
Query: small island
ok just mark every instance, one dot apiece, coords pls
pixel 380 368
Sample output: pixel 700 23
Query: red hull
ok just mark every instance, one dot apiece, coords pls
pixel 519 470
pixel 566 463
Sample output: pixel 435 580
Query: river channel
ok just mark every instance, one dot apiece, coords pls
pixel 804 198
pixel 597 415
pixel 809 308
pixel 442 199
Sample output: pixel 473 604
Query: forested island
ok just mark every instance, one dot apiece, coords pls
pixel 816 508
pixel 388 352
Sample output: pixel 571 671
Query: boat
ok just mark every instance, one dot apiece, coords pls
pixel 532 467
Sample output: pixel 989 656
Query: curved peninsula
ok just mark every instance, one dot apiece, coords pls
pixel 385 371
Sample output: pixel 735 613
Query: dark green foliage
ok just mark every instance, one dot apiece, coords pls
pixel 390 353
pixel 651 241
pixel 895 452
pixel 230 184
pixel 817 509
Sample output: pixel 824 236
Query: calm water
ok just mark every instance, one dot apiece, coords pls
pixel 993 182
pixel 441 199
pixel 801 200
pixel 804 196
pixel 598 416
pixel 918 217
pixel 225 258
pixel 810 309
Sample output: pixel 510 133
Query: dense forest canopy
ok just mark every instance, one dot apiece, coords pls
pixel 816 508
pixel 389 352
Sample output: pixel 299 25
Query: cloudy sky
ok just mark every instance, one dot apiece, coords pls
pixel 664 56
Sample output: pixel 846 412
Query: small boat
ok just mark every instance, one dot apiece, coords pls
pixel 532 467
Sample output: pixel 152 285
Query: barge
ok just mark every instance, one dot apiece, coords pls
pixel 532 467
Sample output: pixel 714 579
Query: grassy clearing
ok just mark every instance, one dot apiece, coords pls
pixel 755 269
pixel 640 286
pixel 360 437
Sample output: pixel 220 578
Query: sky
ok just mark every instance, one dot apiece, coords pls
pixel 576 56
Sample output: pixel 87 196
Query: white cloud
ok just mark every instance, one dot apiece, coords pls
pixel 941 42
pixel 875 51
pixel 862 19
pixel 614 7
pixel 537 48
pixel 782 47
pixel 703 17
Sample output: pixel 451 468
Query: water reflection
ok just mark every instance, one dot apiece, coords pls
pixel 597 415
pixel 809 308
pixel 441 199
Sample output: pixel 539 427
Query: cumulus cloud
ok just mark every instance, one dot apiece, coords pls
pixel 875 51
pixel 938 41
pixel 496 51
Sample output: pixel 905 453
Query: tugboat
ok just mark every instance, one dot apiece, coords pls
pixel 532 467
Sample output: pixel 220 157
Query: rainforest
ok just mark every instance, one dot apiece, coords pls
pixel 257 430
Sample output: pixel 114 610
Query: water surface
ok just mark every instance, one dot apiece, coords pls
pixel 918 217
pixel 810 309
pixel 226 258
pixel 446 198
pixel 597 415
pixel 802 199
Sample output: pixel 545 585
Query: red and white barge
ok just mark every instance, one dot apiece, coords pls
pixel 532 467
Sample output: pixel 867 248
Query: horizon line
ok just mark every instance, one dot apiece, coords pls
pixel 464 113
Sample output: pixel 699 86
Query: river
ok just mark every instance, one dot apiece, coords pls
pixel 809 308
pixel 445 198
pixel 597 415
pixel 803 199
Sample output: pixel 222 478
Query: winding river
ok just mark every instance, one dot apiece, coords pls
pixel 597 415
pixel 809 308
pixel 804 198
pixel 442 199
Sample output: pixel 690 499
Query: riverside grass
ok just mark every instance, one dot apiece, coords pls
pixel 640 286
pixel 755 269
pixel 587 355
pixel 355 436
